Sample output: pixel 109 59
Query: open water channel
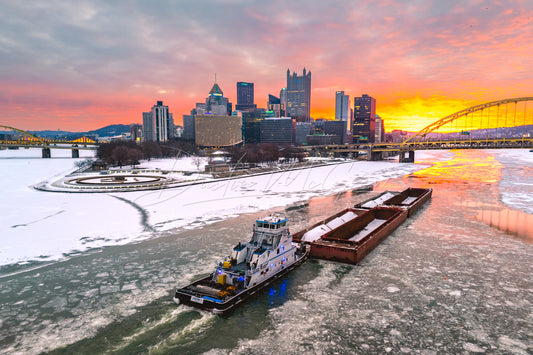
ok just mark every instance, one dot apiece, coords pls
pixel 455 278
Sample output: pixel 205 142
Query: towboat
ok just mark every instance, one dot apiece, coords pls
pixel 252 265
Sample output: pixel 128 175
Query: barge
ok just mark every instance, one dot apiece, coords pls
pixel 351 234
pixel 252 265
pixel 411 199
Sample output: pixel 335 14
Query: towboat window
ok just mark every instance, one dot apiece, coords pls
pixel 271 226
pixel 259 224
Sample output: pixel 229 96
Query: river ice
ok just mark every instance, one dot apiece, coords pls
pixel 43 226
pixel 443 282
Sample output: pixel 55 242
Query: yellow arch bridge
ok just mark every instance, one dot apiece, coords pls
pixel 498 124
pixel 28 140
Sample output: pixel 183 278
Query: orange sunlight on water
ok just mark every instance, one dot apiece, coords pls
pixel 466 166
pixel 469 181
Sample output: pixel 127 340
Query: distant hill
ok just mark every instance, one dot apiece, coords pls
pixel 111 130
pixel 107 131
pixel 55 134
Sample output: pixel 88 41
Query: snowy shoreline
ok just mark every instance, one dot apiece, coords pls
pixel 44 226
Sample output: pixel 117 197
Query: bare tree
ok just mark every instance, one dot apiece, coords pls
pixel 134 155
pixel 120 155
pixel 151 150
pixel 196 160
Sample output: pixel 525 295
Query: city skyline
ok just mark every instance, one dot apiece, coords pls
pixel 83 66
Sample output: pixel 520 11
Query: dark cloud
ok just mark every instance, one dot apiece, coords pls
pixel 135 50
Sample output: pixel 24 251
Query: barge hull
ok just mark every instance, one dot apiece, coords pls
pixel 376 219
pixel 335 247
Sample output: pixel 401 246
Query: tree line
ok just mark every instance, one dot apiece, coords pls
pixel 130 153
pixel 264 153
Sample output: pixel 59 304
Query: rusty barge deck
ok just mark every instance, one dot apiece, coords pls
pixel 351 234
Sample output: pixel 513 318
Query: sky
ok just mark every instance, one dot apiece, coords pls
pixel 81 65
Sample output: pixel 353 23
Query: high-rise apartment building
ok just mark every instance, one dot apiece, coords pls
pixel 299 96
pixel 158 123
pixel 364 119
pixel 342 107
pixel 245 96
pixel 148 127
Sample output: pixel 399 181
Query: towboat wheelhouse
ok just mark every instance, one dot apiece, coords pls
pixel 251 265
pixel 269 250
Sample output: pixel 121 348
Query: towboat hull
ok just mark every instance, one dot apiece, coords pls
pixel 191 298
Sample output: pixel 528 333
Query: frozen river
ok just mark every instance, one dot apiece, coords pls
pixel 454 278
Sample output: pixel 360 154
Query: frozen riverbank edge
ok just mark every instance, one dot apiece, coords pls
pixel 39 226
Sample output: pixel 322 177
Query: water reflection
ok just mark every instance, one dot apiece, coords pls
pixel 469 182
pixel 468 166
pixel 513 222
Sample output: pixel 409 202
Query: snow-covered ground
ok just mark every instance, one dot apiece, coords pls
pixel 516 186
pixel 37 225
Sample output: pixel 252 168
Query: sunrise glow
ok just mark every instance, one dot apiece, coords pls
pixel 80 68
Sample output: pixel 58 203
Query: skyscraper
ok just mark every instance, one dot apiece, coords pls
pixel 283 99
pixel 215 103
pixel 342 107
pixel 364 119
pixel 380 130
pixel 278 130
pixel 299 96
pixel 158 123
pixel 245 96
pixel 275 107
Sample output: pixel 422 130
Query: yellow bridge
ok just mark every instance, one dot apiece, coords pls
pixel 504 123
pixel 498 124
pixel 29 140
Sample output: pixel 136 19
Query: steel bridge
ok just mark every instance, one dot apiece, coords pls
pixel 29 140
pixel 504 123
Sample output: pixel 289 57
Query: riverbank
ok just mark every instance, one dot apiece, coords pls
pixel 39 226
pixel 446 281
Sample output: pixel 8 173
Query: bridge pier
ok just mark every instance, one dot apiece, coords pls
pixel 46 153
pixel 407 159
pixel 373 156
pixel 75 153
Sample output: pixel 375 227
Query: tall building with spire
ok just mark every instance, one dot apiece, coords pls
pixel 299 96
pixel 215 103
